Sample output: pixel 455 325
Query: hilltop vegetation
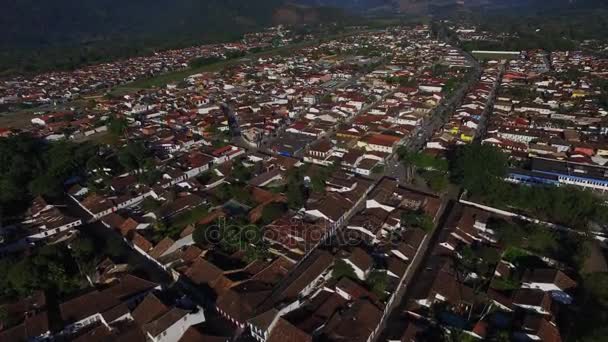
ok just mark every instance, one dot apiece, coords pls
pixel 64 34
pixel 560 27
pixel 480 169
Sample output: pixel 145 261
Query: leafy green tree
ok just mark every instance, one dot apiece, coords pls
pixel 342 269
pixel 479 167
pixel 5 319
pixel 377 281
pixel 597 334
pixel 149 204
pixel 21 159
pixel 510 235
pixel 134 157
pixel 224 192
pixel 457 335
pixel 436 180
pixel 596 286
pixel 295 195
pixel 417 219
pixel 273 211
pixel 22 278
pixel 206 235
pixel 203 61
pixel 542 240
pixel 117 127
pixel 593 297
pixel 52 268
pixel 327 98
pixel 241 173
pixel 258 251
pixel 115 247
pixel 83 248
pixel 95 165
pixel 30 166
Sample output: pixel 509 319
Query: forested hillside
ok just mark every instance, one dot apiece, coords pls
pixel 40 35
pixel 63 34
pixel 35 22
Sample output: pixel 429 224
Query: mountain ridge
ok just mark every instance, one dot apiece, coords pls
pixel 38 23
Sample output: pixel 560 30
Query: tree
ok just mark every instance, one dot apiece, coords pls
pixel 4 318
pixel 457 335
pixel 115 247
pixel 342 269
pixel 450 85
pixel 241 173
pixel 63 161
pixel 596 286
pixel 479 167
pixel 31 166
pixel 377 281
pixel 117 127
pixel 253 253
pixel 542 240
pixel 417 219
pixel 596 334
pixel 489 258
pixel 593 325
pixel 51 268
pixel 134 157
pixel 95 165
pixel 21 159
pixel 273 211
pixel 84 253
pixel 437 181
pixel 203 61
pixel 510 235
pixel 223 192
pixel 83 248
pixel 206 235
pixel 21 278
pixel 468 259
pixel 295 195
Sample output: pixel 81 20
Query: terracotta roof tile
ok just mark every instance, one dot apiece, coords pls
pixel 149 309
pixel 284 331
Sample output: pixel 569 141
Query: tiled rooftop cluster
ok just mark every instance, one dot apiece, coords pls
pixel 60 86
pixel 453 292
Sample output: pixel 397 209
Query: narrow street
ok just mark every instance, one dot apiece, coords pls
pixel 436 120
pixel 394 322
